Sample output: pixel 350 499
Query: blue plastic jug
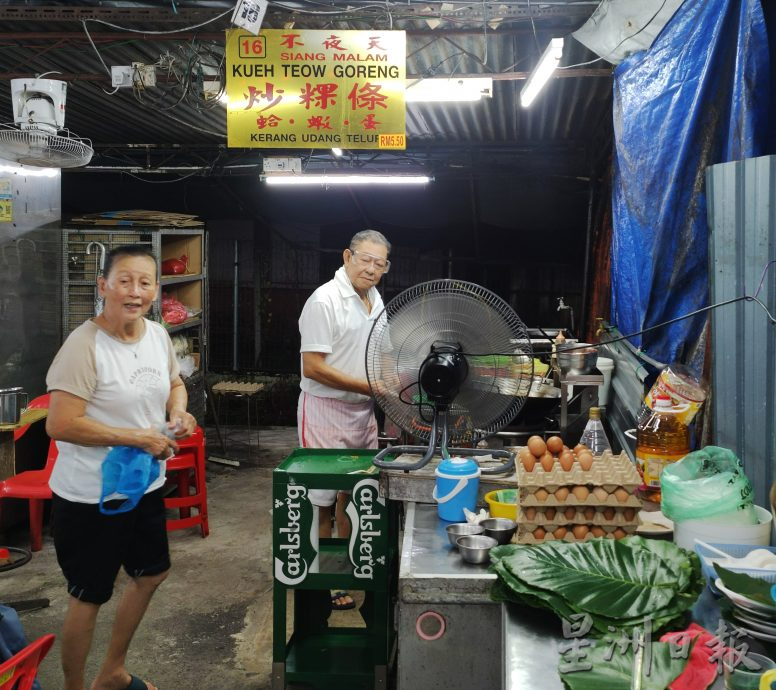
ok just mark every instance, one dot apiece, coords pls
pixel 127 471
pixel 457 481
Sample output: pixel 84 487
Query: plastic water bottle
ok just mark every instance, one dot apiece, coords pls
pixel 594 436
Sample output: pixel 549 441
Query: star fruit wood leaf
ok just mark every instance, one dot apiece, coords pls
pixel 616 579
pixel 617 673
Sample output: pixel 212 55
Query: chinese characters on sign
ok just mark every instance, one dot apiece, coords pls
pixel 316 89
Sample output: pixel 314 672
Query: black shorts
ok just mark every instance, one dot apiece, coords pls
pixel 91 547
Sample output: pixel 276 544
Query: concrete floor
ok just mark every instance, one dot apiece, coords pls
pixel 209 626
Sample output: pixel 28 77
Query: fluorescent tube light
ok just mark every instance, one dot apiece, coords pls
pixel 448 89
pixel 327 180
pixel 542 72
pixel 337 151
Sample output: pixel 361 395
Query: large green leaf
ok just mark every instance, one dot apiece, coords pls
pixel 617 583
pixel 617 672
pixel 752 587
pixel 603 576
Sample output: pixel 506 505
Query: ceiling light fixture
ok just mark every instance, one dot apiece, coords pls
pixel 542 72
pixel 337 152
pixel 448 89
pixel 327 180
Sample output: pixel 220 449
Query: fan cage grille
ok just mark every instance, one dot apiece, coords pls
pixel 491 335
pixel 37 147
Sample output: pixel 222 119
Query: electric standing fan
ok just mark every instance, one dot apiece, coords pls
pixel 448 361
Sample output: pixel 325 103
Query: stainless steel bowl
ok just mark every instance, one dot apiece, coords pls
pixel 501 529
pixel 475 548
pixel 577 358
pixel 462 529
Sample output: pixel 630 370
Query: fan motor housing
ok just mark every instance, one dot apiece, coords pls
pixel 39 103
pixel 443 372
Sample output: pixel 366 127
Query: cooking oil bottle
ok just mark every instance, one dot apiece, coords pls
pixel 661 438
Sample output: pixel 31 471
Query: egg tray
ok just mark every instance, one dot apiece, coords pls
pixel 608 471
pixel 530 499
pixel 579 518
pixel 526 537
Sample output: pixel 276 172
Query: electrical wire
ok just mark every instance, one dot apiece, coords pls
pixel 160 33
pixel 581 64
pixel 179 179
pixel 86 31
pixel 733 300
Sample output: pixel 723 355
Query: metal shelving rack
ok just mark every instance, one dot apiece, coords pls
pixel 79 271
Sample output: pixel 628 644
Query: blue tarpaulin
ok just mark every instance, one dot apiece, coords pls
pixel 698 96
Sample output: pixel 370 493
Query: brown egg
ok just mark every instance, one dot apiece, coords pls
pixel 541 494
pixel 580 493
pixel 566 461
pixel 560 532
pixel 597 531
pixel 548 462
pixel 562 494
pixel 555 444
pixel 609 513
pixel 585 460
pixel 579 532
pixel 529 513
pixel 537 446
pixel 570 512
pixel 549 514
pixel 629 514
pixel 540 533
pixel 580 447
pixel 589 513
pixel 600 494
pixel 565 447
pixel 621 494
pixel 529 462
pixel 619 533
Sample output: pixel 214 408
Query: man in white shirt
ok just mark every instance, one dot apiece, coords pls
pixel 335 406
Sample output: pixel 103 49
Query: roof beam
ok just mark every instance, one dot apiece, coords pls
pixel 496 76
pixel 191 15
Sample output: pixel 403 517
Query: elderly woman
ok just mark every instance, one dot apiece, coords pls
pixel 114 382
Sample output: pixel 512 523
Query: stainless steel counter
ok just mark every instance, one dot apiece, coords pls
pixel 452 636
pixel 431 570
pixel 532 638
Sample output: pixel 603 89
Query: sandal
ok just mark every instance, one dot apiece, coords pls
pixel 336 605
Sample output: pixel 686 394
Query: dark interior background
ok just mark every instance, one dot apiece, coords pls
pixel 523 238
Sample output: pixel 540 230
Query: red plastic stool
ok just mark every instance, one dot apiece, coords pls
pixel 190 456
pixel 20 670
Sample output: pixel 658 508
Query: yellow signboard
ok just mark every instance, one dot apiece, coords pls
pixel 6 211
pixel 316 89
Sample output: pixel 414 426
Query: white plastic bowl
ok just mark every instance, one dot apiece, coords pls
pixel 686 532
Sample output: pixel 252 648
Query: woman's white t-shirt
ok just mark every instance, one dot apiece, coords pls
pixel 125 385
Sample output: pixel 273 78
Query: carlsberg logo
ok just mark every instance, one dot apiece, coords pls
pixel 293 550
pixel 365 511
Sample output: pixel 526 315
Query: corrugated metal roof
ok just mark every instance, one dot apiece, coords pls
pixel 570 114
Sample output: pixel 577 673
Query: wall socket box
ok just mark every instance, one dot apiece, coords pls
pixel 143 75
pixel 121 76
pixel 137 74
pixel 276 164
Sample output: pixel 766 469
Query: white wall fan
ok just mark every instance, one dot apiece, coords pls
pixel 38 136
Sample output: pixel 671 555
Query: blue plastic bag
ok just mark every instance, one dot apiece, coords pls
pixel 128 471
